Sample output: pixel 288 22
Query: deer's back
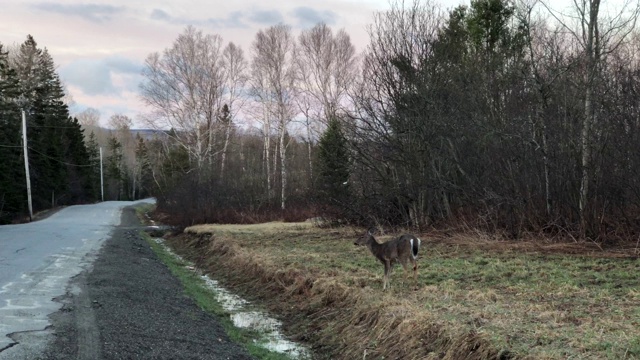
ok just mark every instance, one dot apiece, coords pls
pixel 395 249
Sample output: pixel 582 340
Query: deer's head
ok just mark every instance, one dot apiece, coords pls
pixel 366 238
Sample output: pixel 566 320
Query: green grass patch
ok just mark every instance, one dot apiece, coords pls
pixel 196 288
pixel 143 209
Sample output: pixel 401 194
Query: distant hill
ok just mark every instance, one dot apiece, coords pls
pixel 149 134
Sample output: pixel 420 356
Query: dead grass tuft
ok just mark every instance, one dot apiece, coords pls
pixel 247 228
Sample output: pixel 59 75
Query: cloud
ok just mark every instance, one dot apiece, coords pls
pixel 96 77
pixel 234 20
pixel 269 17
pixel 92 12
pixel 123 65
pixel 161 15
pixel 308 17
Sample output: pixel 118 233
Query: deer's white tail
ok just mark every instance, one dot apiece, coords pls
pixel 415 247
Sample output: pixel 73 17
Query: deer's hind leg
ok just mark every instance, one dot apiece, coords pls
pixel 405 268
pixel 415 269
pixel 387 269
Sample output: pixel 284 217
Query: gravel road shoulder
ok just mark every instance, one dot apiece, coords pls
pixel 130 306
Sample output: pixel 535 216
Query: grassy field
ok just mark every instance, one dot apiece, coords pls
pixel 475 297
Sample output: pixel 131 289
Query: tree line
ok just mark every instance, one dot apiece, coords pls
pixel 64 162
pixel 506 116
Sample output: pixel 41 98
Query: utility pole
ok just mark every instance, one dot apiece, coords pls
pixel 101 177
pixel 26 163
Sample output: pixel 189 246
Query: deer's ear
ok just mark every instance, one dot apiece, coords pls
pixel 371 231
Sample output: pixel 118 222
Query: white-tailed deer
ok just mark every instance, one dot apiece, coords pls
pixel 403 249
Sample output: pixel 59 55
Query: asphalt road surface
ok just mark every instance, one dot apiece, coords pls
pixel 82 284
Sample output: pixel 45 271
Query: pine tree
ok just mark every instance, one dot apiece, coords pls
pixel 333 164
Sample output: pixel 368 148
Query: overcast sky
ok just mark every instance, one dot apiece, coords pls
pixel 100 46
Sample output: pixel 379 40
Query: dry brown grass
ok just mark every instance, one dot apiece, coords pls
pixel 477 298
pixel 352 320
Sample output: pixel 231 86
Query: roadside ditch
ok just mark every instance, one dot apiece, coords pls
pixel 244 321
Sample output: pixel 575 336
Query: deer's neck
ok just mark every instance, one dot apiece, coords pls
pixel 374 247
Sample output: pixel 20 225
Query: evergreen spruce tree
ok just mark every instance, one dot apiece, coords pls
pixel 26 62
pixel 78 163
pixel 58 158
pixel 46 135
pixel 333 165
pixel 114 169
pixel 46 167
pixel 93 152
pixel 143 168
pixel 12 188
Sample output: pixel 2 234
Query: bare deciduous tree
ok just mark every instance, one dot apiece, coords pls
pixel 596 42
pixel 326 66
pixel 120 122
pixel 394 128
pixel 184 87
pixel 89 117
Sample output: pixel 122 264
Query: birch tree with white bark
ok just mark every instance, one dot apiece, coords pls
pixel 261 111
pixel 236 77
pixel 273 71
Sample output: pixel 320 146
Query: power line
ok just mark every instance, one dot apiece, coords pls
pixel 52 127
pixel 60 161
pixel 45 155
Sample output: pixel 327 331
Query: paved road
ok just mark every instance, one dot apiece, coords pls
pixel 37 260
pixel 84 284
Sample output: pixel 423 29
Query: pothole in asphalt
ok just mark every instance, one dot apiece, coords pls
pixel 244 315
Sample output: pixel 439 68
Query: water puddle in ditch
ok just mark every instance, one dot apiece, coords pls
pixel 245 316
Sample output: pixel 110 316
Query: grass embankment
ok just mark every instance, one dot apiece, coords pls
pixel 475 299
